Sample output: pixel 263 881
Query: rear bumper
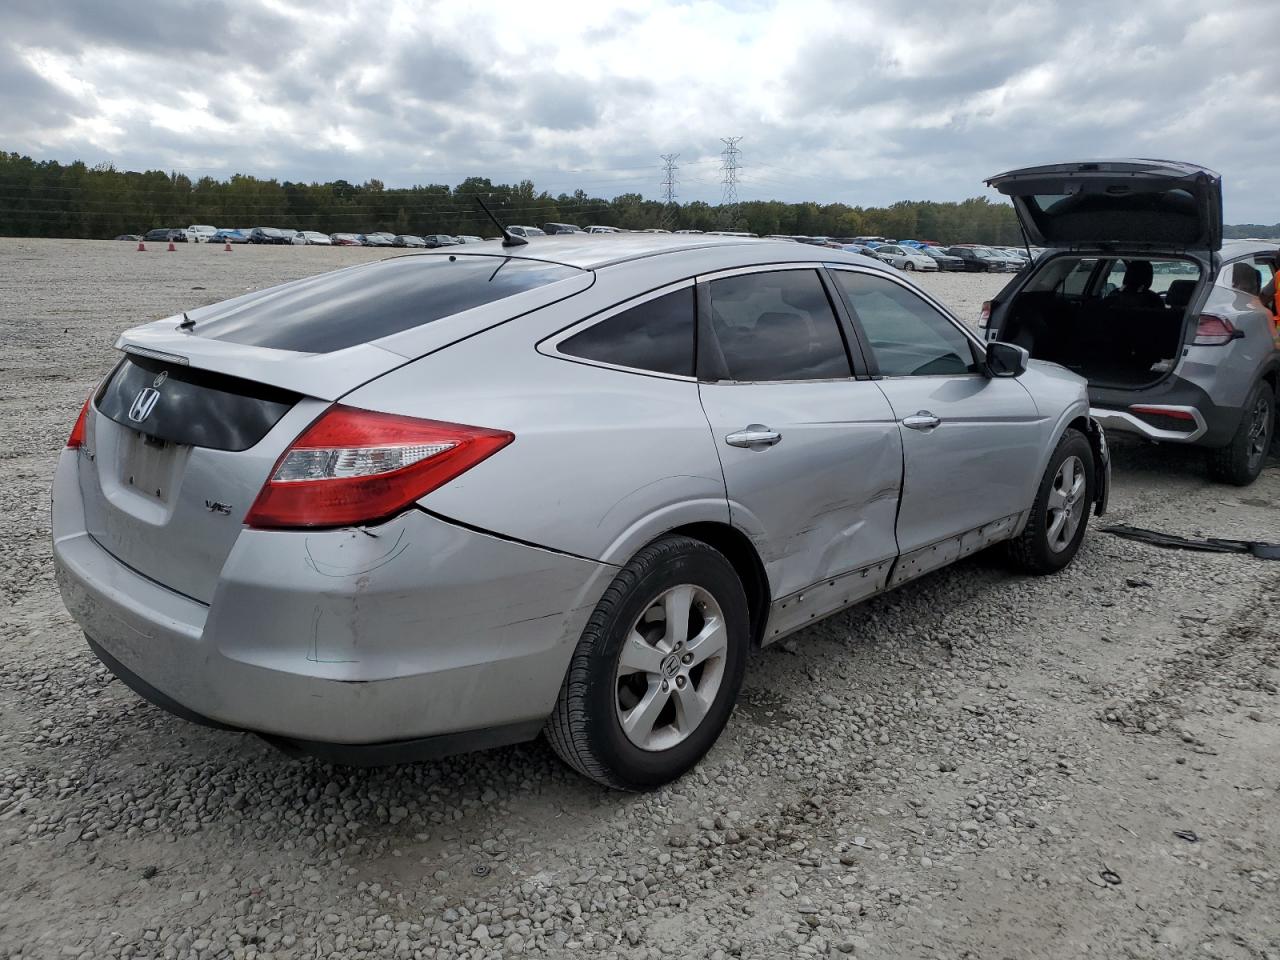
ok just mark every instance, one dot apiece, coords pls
pixel 412 638
pixel 1209 424
pixel 1125 421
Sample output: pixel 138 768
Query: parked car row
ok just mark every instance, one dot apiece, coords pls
pixel 909 255
pixel 300 238
pixel 925 255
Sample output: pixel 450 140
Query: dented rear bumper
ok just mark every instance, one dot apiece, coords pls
pixel 414 629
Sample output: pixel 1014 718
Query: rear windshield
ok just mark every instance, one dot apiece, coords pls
pixel 1169 216
pixel 341 309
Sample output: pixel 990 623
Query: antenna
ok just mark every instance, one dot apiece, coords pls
pixel 509 239
pixel 669 167
pixel 729 167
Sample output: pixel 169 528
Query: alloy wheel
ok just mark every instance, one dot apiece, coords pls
pixel 671 667
pixel 1066 504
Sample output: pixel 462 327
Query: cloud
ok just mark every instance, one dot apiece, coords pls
pixel 858 102
pixel 28 102
pixel 559 103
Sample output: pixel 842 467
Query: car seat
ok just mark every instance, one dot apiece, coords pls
pixel 1179 294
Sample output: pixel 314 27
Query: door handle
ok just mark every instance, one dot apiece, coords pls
pixel 924 420
pixel 755 435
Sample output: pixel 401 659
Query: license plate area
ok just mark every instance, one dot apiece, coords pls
pixel 151 467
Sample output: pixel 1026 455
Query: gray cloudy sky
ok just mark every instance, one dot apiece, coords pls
pixel 863 102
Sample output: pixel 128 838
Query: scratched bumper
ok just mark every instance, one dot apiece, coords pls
pixel 421 629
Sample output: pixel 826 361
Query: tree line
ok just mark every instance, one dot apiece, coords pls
pixel 74 200
pixel 1243 231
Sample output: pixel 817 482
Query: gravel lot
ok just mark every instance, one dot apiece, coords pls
pixel 979 765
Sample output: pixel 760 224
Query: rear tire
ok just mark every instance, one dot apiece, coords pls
pixel 1241 461
pixel 657 670
pixel 1060 514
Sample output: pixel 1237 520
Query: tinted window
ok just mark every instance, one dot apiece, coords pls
pixel 1163 274
pixel 193 406
pixel 1171 215
pixel 656 335
pixel 1241 275
pixel 908 337
pixel 340 309
pixel 777 326
pixel 1074 283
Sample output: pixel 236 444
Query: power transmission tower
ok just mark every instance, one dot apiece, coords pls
pixel 729 167
pixel 669 167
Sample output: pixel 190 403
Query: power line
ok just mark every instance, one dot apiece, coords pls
pixel 729 167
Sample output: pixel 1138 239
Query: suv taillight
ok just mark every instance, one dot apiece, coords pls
pixel 76 440
pixel 356 466
pixel 1214 331
pixel 984 315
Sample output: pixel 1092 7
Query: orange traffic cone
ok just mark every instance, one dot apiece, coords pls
pixel 172 248
pixel 227 248
pixel 142 247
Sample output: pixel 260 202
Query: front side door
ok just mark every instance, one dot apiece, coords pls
pixel 811 453
pixel 971 443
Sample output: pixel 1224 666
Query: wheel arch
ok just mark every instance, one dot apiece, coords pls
pixel 1101 459
pixel 1271 375
pixel 741 553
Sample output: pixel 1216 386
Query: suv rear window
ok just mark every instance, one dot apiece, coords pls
pixel 341 309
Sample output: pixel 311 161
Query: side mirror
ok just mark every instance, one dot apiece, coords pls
pixel 1006 359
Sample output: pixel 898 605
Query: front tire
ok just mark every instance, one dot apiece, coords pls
pixel 1060 514
pixel 657 670
pixel 908 265
pixel 1241 461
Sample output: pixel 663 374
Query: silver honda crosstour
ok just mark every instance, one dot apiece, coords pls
pixel 453 499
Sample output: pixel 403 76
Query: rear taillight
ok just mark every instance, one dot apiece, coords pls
pixel 356 466
pixel 1213 331
pixel 984 315
pixel 76 440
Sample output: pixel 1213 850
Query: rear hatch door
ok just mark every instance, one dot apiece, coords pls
pixel 176 455
pixel 190 423
pixel 1138 204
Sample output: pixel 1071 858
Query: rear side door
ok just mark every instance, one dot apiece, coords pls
pixel 809 445
pixel 971 443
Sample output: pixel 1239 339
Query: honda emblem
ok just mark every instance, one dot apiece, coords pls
pixel 143 404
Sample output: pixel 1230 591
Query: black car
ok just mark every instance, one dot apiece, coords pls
pixel 408 240
pixel 165 235
pixel 378 239
pixel 945 260
pixel 440 240
pixel 554 228
pixel 974 260
pixel 270 235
